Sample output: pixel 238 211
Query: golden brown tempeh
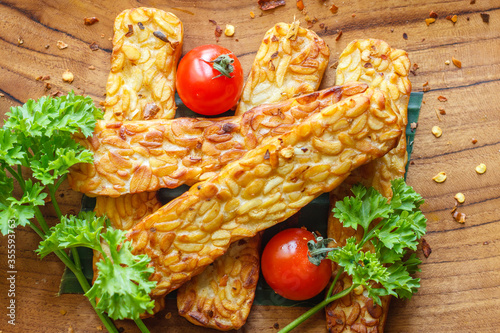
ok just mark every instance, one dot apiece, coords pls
pixel 221 296
pixel 290 61
pixel 139 156
pixel 147 44
pixel 267 185
pixel 375 63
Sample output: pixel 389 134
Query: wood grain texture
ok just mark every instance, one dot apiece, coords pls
pixel 460 280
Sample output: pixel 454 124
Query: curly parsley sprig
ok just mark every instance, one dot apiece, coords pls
pixel 401 225
pixel 38 136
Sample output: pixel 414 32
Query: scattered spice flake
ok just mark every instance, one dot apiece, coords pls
pixel 405 36
pixel 229 31
pixel 426 83
pixel 322 25
pixel 485 17
pixel 413 126
pixel 48 86
pixel 300 5
pixel 334 9
pixel 454 18
pixel 91 67
pixel 61 45
pixel 338 36
pixel 437 115
pixel 276 326
pixel 56 93
pixel 474 141
pixel 456 62
pixel 63 312
pixel 353 15
pixel 252 15
pixel 270 4
pixel 447 62
pixel 481 168
pixel 433 14
pixel 68 76
pixel 426 249
pixel 140 25
pixel 218 32
pixel 442 99
pixel 213 22
pixel 102 35
pixel 442 111
pixel 440 177
pixel 459 217
pixel 93 46
pixel 267 155
pixel 47 46
pixel 460 197
pixel 20 41
pixel 130 31
pixel 168 315
pixel 2 95
pixel 412 162
pixel 99 328
pixel 429 21
pixel 472 2
pixel 426 89
pixel 414 70
pixel 90 20
pixel 334 65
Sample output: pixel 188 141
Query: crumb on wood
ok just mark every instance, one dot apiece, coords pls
pixel 270 4
pixel 426 248
pixel 90 20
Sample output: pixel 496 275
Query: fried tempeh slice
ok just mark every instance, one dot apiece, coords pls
pixel 222 295
pixel 266 186
pixel 147 44
pixel 290 61
pixel 139 156
pixel 377 64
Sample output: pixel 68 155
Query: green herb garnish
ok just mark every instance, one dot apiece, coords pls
pixel 37 137
pixel 389 266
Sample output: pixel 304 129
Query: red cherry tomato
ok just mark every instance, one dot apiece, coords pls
pixel 204 89
pixel 287 269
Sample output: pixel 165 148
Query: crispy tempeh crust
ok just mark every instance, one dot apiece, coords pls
pixel 266 186
pixel 221 296
pixel 290 61
pixel 147 44
pixel 387 70
pixel 139 156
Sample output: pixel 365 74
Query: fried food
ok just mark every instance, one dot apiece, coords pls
pixel 140 156
pixel 221 296
pixel 264 187
pixel 290 61
pixel 373 62
pixel 147 44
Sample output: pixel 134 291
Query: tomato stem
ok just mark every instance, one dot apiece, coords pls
pixel 224 65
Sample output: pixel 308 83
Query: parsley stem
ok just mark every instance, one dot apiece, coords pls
pixel 340 270
pixel 52 193
pixel 315 309
pixel 141 325
pixel 16 175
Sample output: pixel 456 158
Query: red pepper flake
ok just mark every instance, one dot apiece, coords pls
pixel 353 15
pixel 300 5
pixel 426 89
pixel 213 22
pixel 426 248
pixel 426 83
pixel 338 36
pixel 322 25
pixel 56 94
pixel 218 31
pixel 2 95
pixel 405 36
pixel 334 9
pixel 90 20
pixel 270 4
pixel 276 326
pixel 94 46
pixel 412 162
pixel 442 99
pixel 459 217
pixel 474 141
pixel 433 14
pixel 91 67
pixel 130 31
pixel 48 86
pixel 472 2
pixel 442 111
pixel 485 17
pixel 368 65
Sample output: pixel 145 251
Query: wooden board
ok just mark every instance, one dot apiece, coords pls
pixel 460 280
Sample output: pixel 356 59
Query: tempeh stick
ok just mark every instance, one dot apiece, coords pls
pixel 147 44
pixel 290 61
pixel 266 186
pixel 375 63
pixel 140 156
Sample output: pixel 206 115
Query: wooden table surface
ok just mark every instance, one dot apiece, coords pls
pixel 460 280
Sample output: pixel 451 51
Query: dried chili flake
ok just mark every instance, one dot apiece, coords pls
pixel 433 14
pixel 472 2
pixel 442 99
pixel 413 126
pixel 218 31
pixel 405 35
pixel 368 65
pixel 213 22
pixel 426 248
pixel 322 25
pixel 274 55
pixel 90 20
pixel 426 83
pixel 130 31
pixel 300 5
pixel 56 93
pixel 474 141
pixel 456 62
pixel 459 217
pixel 270 4
pixel 485 17
pixel 93 46
pixel 140 25
pixel 442 111
pixel 334 9
pixel 338 36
